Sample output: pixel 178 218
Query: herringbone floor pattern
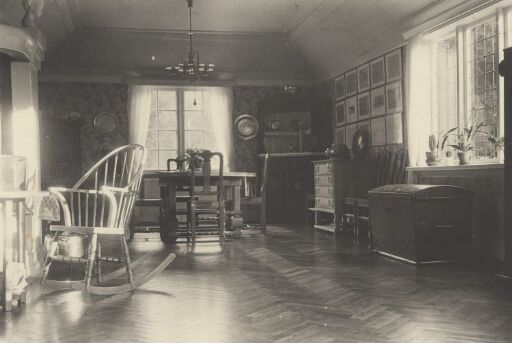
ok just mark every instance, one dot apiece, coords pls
pixel 292 286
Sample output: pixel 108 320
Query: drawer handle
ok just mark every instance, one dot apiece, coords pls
pixel 317 201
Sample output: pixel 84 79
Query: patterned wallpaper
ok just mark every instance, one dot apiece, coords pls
pixel 84 101
pixel 246 99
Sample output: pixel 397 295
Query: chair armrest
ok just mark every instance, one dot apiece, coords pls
pixel 108 192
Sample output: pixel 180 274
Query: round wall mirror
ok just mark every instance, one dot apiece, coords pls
pixel 246 126
pixel 105 123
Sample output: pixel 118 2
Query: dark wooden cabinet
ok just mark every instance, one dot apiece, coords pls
pixel 60 152
pixel 290 180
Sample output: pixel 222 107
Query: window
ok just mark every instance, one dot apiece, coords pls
pixel 181 119
pixel 465 79
pixel 444 92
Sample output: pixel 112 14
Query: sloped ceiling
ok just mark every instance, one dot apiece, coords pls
pixel 305 40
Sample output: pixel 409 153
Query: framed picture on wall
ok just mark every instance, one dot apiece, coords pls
pixel 394 65
pixel 378 101
pixel 378 131
pixel 351 109
pixel 394 131
pixel 340 113
pixel 340 135
pixel 351 82
pixel 377 72
pixel 394 97
pixel 363 104
pixel 339 87
pixel 363 77
pixel 351 129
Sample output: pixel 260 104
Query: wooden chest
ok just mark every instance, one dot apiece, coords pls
pixel 421 223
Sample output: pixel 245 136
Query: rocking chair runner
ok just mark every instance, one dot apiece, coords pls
pixel 101 203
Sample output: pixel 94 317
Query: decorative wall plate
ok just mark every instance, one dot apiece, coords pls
pixel 275 124
pixel 105 122
pixel 246 126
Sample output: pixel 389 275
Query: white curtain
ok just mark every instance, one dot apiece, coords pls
pixel 139 109
pixel 419 99
pixel 221 106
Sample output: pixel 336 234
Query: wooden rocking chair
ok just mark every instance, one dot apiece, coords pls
pixel 101 203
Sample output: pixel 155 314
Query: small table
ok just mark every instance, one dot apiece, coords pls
pixel 12 200
pixel 170 180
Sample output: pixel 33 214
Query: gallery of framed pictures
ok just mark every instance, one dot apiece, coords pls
pixel 370 97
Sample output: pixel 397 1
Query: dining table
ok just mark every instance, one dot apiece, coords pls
pixel 236 185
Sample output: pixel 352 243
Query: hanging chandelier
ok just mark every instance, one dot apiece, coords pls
pixel 190 68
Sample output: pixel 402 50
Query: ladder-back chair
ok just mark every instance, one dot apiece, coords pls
pixel 260 199
pixel 391 169
pixel 100 204
pixel 207 208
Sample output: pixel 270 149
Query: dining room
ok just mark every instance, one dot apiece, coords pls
pixel 255 171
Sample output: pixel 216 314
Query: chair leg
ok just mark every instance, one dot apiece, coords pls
pixel 127 262
pixel 193 222
pixel 356 223
pixel 47 258
pixel 91 260
pixel 222 221
pixel 98 263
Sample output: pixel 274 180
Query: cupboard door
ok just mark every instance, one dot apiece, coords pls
pixel 60 152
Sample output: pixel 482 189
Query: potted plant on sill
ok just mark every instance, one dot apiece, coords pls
pixel 464 140
pixel 499 145
pixel 433 158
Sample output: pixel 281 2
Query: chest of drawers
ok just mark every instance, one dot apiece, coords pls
pixel 335 179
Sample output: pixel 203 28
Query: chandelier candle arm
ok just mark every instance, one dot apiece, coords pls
pixel 190 67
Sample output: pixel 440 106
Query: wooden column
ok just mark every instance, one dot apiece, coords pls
pixel 5 105
pixel 506 71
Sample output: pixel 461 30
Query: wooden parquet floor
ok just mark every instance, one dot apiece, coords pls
pixel 292 286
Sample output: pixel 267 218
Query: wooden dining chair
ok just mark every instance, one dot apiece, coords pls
pixel 259 200
pixel 207 202
pixel 183 198
pixel 100 204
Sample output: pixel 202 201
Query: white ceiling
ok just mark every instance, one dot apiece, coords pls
pixel 301 39
pixel 207 15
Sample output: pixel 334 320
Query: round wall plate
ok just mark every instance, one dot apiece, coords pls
pixel 105 122
pixel 246 126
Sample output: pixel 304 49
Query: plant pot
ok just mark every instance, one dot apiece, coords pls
pixel 501 156
pixel 432 158
pixel 464 157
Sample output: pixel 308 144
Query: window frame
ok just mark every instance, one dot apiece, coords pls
pixel 461 30
pixel 180 116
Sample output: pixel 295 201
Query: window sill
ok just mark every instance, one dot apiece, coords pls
pixel 473 166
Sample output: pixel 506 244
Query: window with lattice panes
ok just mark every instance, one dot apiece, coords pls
pixel 162 139
pixel 180 120
pixel 444 85
pixel 482 81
